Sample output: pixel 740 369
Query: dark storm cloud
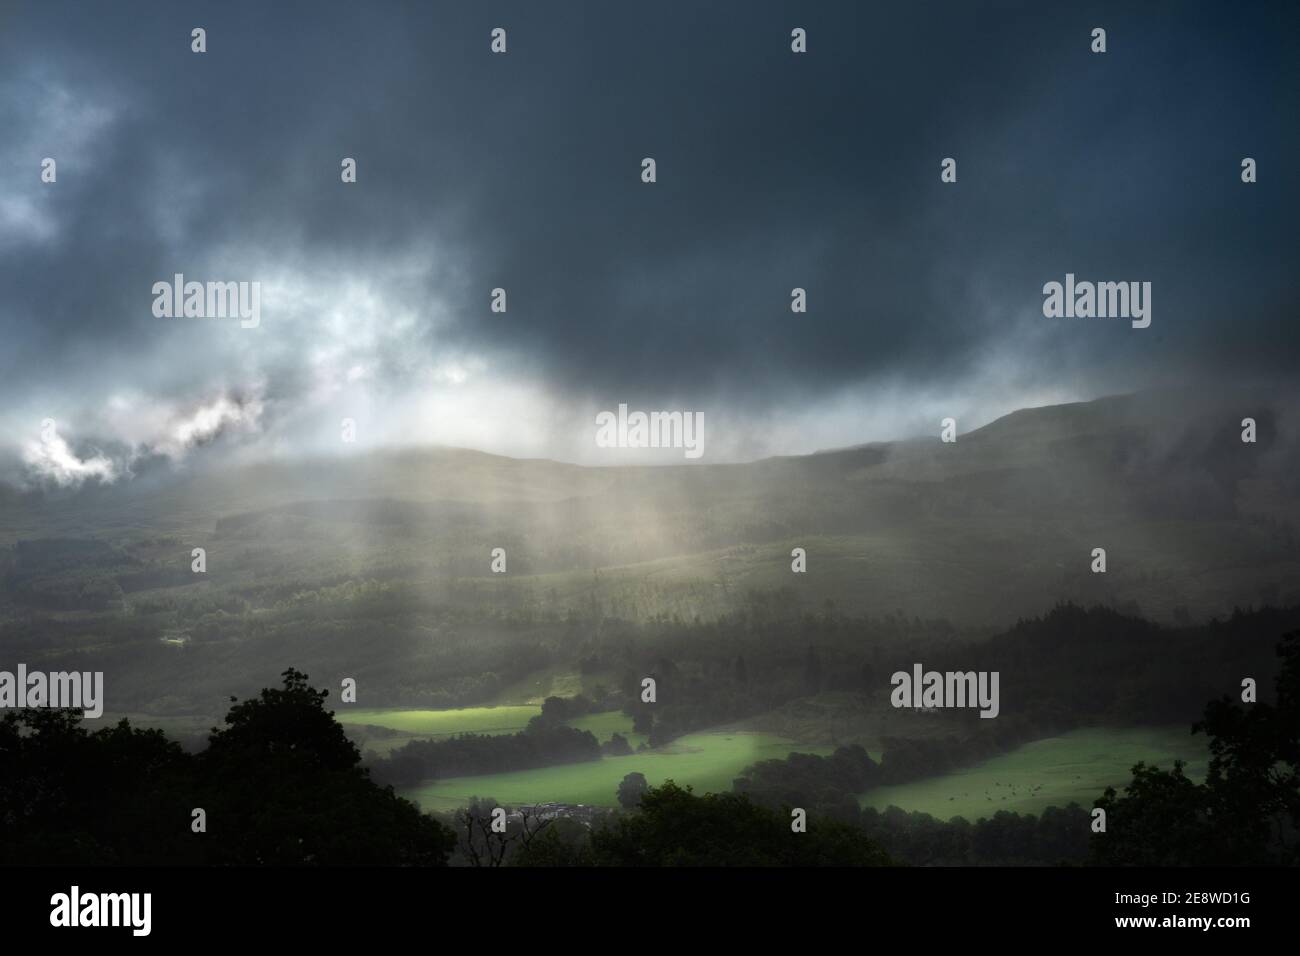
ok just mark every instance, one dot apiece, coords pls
pixel 775 171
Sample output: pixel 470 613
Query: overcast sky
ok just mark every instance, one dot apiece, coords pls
pixel 477 170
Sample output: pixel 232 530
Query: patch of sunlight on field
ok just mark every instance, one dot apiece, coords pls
pixel 709 762
pixel 551 682
pixel 1075 767
pixel 482 720
pixel 443 723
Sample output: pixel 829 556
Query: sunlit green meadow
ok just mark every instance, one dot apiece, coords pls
pixel 1074 767
pixel 707 761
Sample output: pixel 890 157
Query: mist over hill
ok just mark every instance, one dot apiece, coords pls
pixel 1000 523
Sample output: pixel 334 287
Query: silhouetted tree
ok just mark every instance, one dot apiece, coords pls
pixel 281 783
pixel 630 790
pixel 1248 809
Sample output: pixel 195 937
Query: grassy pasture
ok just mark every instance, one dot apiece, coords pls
pixel 707 761
pixel 1076 767
pixel 435 724
pixel 442 723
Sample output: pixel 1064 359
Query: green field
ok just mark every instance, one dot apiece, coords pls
pixel 434 724
pixel 709 762
pixel 409 724
pixel 1076 767
pixel 482 720
pixel 442 723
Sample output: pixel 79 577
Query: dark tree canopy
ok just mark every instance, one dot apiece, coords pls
pixel 1248 809
pixel 674 827
pixel 631 789
pixel 281 783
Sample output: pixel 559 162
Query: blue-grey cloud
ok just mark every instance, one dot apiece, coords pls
pixel 521 170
